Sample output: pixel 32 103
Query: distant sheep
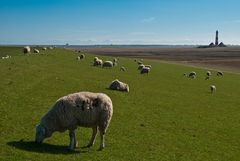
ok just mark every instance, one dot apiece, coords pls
pixel 208 73
pixel 26 50
pixel 36 51
pixel 213 89
pixel 84 109
pixel 108 64
pixel 145 70
pixel 44 48
pixel 98 62
pixel 219 73
pixel 192 75
pixel 118 85
pixel 6 57
pixel 141 66
pixel 123 69
pixel 82 56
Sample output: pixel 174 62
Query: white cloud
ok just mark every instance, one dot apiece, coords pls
pixel 148 19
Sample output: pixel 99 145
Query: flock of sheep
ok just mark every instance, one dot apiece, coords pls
pixel 87 109
pixel 27 49
pixel 193 75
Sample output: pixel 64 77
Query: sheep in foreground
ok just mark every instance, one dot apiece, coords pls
pixel 118 85
pixel 36 51
pixel 108 64
pixel 84 109
pixel 145 70
pixel 219 73
pixel 213 89
pixel 123 69
pixel 26 50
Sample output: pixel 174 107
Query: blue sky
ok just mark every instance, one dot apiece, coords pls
pixel 88 22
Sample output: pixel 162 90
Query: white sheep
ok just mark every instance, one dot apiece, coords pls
pixel 118 85
pixel 82 56
pixel 219 73
pixel 192 75
pixel 36 51
pixel 98 62
pixel 26 50
pixel 107 64
pixel 213 89
pixel 84 109
pixel 123 69
pixel 208 73
pixel 44 48
pixel 145 70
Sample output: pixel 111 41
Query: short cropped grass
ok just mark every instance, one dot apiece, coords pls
pixel 165 116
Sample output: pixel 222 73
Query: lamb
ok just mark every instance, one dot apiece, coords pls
pixel 145 70
pixel 26 50
pixel 192 75
pixel 213 89
pixel 118 85
pixel 108 64
pixel 84 109
pixel 219 73
pixel 123 69
pixel 36 51
pixel 141 66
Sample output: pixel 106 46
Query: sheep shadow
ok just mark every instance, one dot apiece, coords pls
pixel 31 146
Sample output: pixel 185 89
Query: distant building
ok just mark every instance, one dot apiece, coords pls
pixel 216 44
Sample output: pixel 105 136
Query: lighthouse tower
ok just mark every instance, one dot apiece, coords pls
pixel 216 38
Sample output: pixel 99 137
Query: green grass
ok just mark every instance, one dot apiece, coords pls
pixel 164 117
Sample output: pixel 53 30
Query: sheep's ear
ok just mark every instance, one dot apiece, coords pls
pixel 95 102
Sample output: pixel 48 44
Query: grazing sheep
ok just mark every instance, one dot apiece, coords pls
pixel 107 64
pixel 36 51
pixel 26 50
pixel 208 73
pixel 219 73
pixel 123 69
pixel 192 75
pixel 213 89
pixel 82 56
pixel 120 86
pixel 84 109
pixel 98 62
pixel 44 48
pixel 145 70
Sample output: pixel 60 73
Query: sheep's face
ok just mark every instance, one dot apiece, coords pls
pixel 40 134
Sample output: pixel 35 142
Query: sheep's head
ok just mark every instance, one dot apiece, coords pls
pixel 40 134
pixel 127 88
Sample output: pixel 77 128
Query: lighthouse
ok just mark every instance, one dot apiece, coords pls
pixel 216 38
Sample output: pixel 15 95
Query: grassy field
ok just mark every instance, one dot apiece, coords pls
pixel 165 116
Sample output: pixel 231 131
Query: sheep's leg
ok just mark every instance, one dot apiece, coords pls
pixel 91 142
pixel 72 136
pixel 102 145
